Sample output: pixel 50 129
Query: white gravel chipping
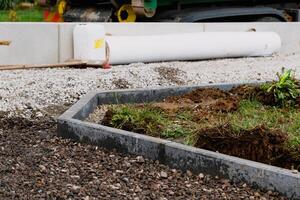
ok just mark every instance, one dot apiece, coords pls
pixel 25 91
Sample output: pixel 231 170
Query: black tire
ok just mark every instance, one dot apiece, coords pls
pixel 268 19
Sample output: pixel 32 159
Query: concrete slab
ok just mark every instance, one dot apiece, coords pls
pixel 65 42
pixel 30 43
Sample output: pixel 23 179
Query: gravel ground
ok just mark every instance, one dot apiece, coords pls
pixel 31 92
pixel 35 164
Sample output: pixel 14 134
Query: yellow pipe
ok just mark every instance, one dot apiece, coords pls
pixel 61 7
pixel 126 14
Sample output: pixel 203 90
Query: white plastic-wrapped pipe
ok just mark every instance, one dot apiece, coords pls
pixel 191 46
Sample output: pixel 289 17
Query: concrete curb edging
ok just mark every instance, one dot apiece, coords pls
pixel 175 155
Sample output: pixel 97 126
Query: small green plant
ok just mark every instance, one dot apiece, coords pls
pixel 146 120
pixel 185 115
pixel 142 120
pixel 174 131
pixel 285 90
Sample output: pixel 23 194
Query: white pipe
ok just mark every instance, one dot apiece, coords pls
pixel 191 46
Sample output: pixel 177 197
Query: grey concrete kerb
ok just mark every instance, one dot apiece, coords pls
pixel 175 155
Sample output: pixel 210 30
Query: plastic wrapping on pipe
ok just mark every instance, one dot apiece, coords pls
pixel 191 46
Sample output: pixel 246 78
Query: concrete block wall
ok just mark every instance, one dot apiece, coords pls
pixel 50 43
pixel 30 43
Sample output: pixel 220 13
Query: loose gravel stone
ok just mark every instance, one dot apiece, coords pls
pixel 36 164
pixel 201 175
pixel 163 175
pixel 36 92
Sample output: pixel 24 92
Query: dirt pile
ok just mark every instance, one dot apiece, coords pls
pixel 260 144
pixel 208 99
pixel 172 75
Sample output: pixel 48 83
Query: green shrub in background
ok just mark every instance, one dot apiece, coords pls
pixel 30 15
pixel 21 11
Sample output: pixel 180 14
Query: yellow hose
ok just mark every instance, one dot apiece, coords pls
pixel 61 7
pixel 126 14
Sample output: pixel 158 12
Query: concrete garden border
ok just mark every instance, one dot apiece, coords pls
pixel 175 155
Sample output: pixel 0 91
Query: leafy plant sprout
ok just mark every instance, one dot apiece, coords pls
pixel 285 90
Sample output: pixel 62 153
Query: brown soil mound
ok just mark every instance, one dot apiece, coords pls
pixel 298 102
pixel 259 144
pixel 208 99
pixel 245 91
pixel 249 92
pixel 172 107
pixel 200 95
pixel 107 118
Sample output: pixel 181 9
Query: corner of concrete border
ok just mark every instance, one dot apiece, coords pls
pixel 175 155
